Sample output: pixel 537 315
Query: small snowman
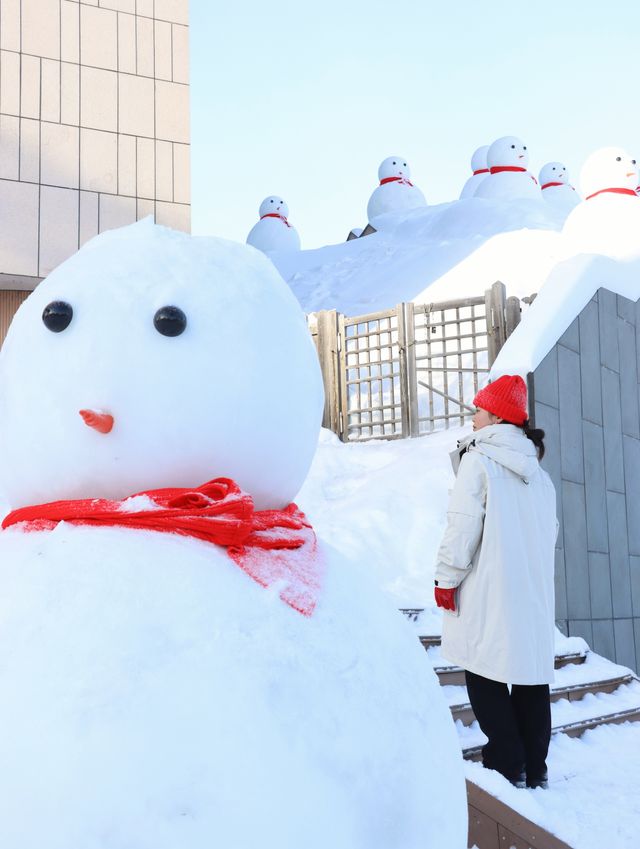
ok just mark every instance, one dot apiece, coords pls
pixel 185 664
pixel 479 169
pixel 508 178
pixel 396 192
pixel 555 186
pixel 273 232
pixel 608 219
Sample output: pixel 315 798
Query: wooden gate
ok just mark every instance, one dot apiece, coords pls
pixel 411 369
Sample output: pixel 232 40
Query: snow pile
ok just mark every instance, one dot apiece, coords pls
pixel 383 504
pixel 156 697
pixel 437 253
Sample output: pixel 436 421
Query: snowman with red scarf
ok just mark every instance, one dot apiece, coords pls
pixel 608 219
pixel 184 664
pixel 556 188
pixel 273 232
pixel 395 193
pixel 508 178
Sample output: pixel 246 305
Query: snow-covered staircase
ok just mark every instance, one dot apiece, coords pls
pixel 589 692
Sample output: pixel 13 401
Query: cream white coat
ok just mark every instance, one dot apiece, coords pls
pixel 498 547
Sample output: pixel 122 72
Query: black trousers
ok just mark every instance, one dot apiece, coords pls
pixel 518 725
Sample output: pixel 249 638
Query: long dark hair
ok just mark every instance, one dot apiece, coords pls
pixel 536 435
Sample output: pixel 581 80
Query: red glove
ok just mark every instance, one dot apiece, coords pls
pixel 445 597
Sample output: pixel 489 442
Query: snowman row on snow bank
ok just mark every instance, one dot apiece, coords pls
pixel 500 172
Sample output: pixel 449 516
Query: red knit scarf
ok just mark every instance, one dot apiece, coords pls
pixel 481 171
pixel 548 185
pixel 271 546
pixel 613 191
pixel 275 215
pixel 497 169
pixel 402 180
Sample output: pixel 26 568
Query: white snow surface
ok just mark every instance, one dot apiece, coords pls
pixel 384 504
pixel 156 697
pixel 427 255
pixel 592 800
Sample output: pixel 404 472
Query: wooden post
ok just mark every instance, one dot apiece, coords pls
pixel 404 380
pixel 411 369
pixel 495 303
pixel 328 353
pixel 513 314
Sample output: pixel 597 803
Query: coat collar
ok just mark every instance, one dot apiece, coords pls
pixel 506 444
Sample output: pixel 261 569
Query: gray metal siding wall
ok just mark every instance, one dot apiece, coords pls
pixel 586 397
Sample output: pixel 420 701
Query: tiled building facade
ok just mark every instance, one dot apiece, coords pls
pixel 586 396
pixel 94 125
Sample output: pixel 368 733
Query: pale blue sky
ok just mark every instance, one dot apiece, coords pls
pixel 306 99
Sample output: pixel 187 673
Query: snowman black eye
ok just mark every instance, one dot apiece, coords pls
pixel 554 168
pixel 57 316
pixel 170 321
pixel 618 159
pixel 513 146
pixel 394 162
pixel 524 147
pixel 633 162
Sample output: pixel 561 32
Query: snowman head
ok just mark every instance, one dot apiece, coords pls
pixel 479 158
pixel 608 168
pixel 189 358
pixel 273 205
pixel 508 151
pixel 394 166
pixel 553 172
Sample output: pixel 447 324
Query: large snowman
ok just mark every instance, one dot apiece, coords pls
pixel 608 219
pixel 508 178
pixel 188 667
pixel 479 170
pixel 273 231
pixel 395 192
pixel 556 188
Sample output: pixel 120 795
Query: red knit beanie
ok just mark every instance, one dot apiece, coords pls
pixel 506 398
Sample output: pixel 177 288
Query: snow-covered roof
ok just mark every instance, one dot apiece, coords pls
pixel 567 290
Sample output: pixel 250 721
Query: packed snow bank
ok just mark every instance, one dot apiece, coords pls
pixel 442 252
pixel 156 697
pixel 568 289
pixel 383 504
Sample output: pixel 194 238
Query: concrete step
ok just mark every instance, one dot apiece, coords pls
pixel 575 692
pixel 495 825
pixel 454 675
pixel 572 729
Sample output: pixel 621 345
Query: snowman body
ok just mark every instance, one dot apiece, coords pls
pixel 479 169
pixel 555 187
pixel 395 194
pixel 156 695
pixel 608 219
pixel 273 232
pixel 507 159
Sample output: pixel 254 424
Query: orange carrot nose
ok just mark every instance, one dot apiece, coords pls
pixel 102 422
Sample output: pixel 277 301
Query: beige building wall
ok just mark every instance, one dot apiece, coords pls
pixel 94 125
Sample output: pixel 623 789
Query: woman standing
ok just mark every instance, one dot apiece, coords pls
pixel 494 579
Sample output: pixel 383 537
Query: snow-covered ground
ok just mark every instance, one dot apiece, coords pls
pixel 428 255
